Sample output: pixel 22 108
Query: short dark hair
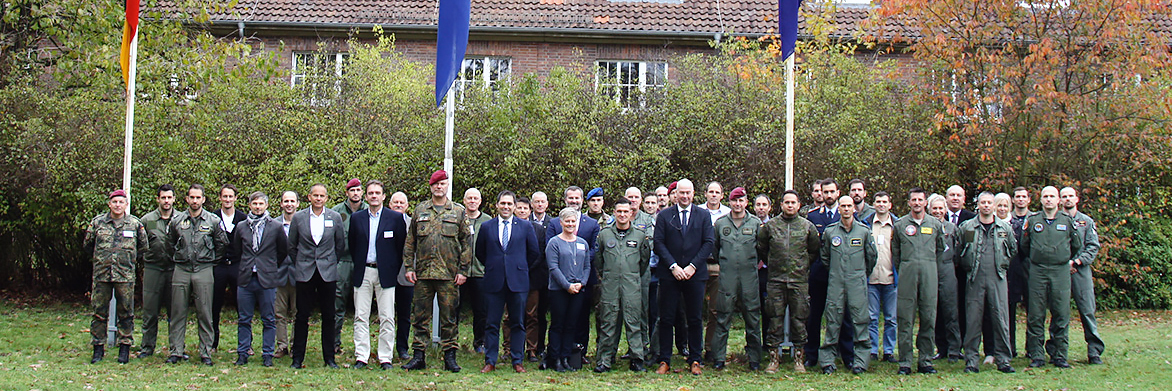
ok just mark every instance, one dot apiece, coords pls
pixel 573 188
pixel 319 184
pixel 881 193
pixel 258 194
pixel 230 187
pixel 829 181
pixel 766 196
pixel 817 182
pixel 375 182
pixel 1021 188
pixel 854 181
pixel 165 187
pixel 523 200
pixel 506 193
pixel 791 191
pixel 196 186
pixel 916 190
pixel 622 201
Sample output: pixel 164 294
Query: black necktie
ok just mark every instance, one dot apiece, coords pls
pixel 684 220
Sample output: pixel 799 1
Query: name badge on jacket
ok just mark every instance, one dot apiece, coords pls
pixel 128 234
pixel 388 234
pixel 329 223
pixel 581 246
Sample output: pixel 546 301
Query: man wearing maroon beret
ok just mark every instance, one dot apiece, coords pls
pixel 116 241
pixel 345 289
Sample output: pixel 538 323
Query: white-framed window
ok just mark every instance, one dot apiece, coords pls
pixel 625 79
pixel 318 73
pixel 483 72
pixel 180 88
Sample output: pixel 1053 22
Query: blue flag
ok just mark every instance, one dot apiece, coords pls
pixel 787 11
pixel 451 42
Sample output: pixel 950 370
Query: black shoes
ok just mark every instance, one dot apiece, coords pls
pixel 1037 363
pixel 145 354
pixel 953 358
pixel 331 364
pixel 719 365
pixel 99 353
pixel 242 359
pixel 754 366
pixel 206 361
pixel 829 369
pixel 123 354
pixel 358 365
pixel 268 360
pixel 450 361
pixel 418 361
pixel 174 359
pixel 386 366
pixel 1005 368
pixel 904 371
pixel 926 370
pixel 858 370
pixel 637 366
pixel 601 368
pixel 1061 363
pixel 296 365
pixel 972 370
pixel 1094 360
pixel 560 365
pixel 890 358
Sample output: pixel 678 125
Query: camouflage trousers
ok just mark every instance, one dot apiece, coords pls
pixel 100 299
pixel 778 297
pixel 448 295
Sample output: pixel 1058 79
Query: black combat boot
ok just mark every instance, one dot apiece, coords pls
pixel 450 361
pixel 99 353
pixel 418 361
pixel 123 354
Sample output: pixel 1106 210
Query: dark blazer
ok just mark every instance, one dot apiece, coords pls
pixel 236 219
pixel 588 229
pixel 965 215
pixel 267 259
pixel 821 221
pixel 388 245
pixel 538 272
pixel 503 265
pixel 308 256
pixel 673 246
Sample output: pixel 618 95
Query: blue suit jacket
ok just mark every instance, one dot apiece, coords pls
pixel 388 245
pixel 510 264
pixel 588 229
pixel 674 246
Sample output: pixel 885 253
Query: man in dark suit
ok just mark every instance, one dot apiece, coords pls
pixel 588 229
pixel 225 271
pixel 258 249
pixel 316 237
pixel 375 239
pixel 506 246
pixel 683 242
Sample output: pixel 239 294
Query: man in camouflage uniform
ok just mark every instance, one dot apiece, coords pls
pixel 736 252
pixel 439 242
pixel 849 254
pixel 916 252
pixel 157 269
pixel 344 292
pixel 595 201
pixel 195 242
pixel 1052 244
pixel 117 240
pixel 788 243
pixel 624 252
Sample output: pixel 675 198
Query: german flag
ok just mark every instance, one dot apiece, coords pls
pixel 129 35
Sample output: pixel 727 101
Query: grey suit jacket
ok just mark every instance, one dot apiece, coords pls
pixel 267 258
pixel 308 256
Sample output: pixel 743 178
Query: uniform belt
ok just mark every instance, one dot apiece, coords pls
pixel 372 265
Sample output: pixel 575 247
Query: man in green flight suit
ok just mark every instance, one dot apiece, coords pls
pixel 156 269
pixel 116 241
pixel 987 245
pixel 195 241
pixel 1051 243
pixel 624 252
pixel 1082 285
pixel 916 252
pixel 736 252
pixel 849 253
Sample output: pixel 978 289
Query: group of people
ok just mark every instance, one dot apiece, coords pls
pixel 667 272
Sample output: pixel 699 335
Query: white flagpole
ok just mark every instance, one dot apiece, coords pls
pixel 112 320
pixel 449 139
pixel 789 122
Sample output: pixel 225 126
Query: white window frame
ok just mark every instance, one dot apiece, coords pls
pixel 641 83
pixel 485 80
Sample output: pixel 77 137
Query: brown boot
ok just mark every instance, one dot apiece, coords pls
pixel 799 361
pixel 774 362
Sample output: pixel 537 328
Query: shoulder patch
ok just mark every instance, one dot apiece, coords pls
pixel 910 230
pixel 1038 227
pixel 836 241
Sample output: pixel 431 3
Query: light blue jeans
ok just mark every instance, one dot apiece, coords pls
pixel 882 298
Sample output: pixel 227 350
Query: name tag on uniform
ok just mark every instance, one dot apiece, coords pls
pixel 581 246
pixel 1002 235
pixel 926 230
pixel 329 223
pixel 747 231
pixel 388 234
pixel 204 228
pixel 1060 227
pixel 128 234
pixel 856 242
pixel 632 244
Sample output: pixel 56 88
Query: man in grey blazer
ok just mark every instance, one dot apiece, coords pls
pixel 316 238
pixel 258 249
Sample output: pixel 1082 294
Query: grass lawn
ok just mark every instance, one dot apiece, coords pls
pixel 46 346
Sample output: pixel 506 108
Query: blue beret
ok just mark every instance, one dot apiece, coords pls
pixel 595 192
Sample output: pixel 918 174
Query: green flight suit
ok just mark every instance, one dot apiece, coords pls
pixel 345 288
pixel 156 278
pixel 736 251
pixel 622 261
pixel 948 306
pixel 850 257
pixel 917 249
pixel 195 244
pixel 788 246
pixel 437 248
pixel 984 256
pixel 646 221
pixel 1049 246
pixel 116 245
pixel 1082 285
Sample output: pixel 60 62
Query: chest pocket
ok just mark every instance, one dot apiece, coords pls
pixel 449 225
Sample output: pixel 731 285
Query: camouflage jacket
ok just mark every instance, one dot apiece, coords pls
pixel 116 244
pixel 157 229
pixel 196 242
pixel 439 239
pixel 788 246
pixel 477 268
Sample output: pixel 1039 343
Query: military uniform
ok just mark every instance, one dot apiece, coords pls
pixel 646 222
pixel 622 262
pixel 604 220
pixel 985 253
pixel 116 244
pixel 850 256
pixel 948 305
pixel 736 252
pixel 788 246
pixel 345 288
pixel 195 244
pixel 156 278
pixel 1050 245
pixel 916 252
pixel 439 241
pixel 1082 284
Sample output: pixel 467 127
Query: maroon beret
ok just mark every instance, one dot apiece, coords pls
pixel 117 193
pixel 736 193
pixel 353 183
pixel 672 187
pixel 437 176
